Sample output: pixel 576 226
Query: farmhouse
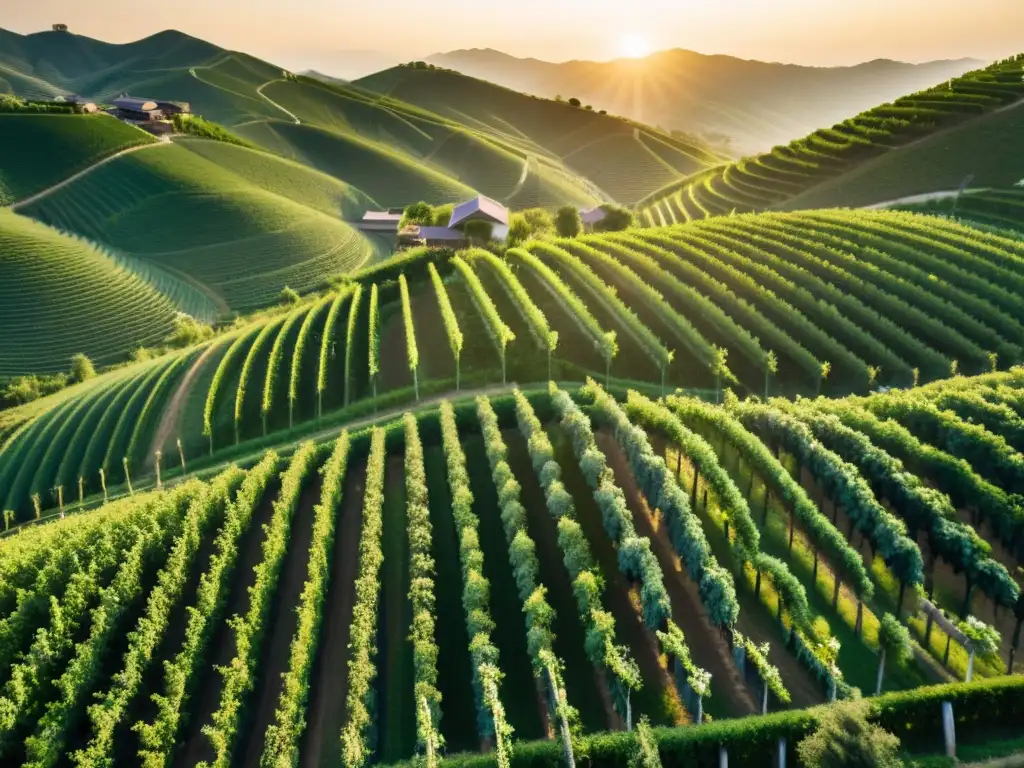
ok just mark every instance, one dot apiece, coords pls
pixel 170 108
pixel 482 208
pixel 137 110
pixel 592 217
pixel 60 27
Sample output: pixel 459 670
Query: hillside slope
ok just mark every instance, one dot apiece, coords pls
pixel 756 104
pixel 60 296
pixel 621 158
pixel 242 223
pixel 412 152
pixel 54 147
pixel 919 143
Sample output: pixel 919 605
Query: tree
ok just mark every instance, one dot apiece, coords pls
pixel 568 222
pixel 574 102
pixel 81 369
pixel 519 230
pixel 540 220
pixel 981 638
pixel 893 642
pixel 188 331
pixel 845 739
pixel 479 232
pixel 417 213
pixel 616 218
pixel 288 296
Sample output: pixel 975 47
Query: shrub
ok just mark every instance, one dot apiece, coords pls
pixel 188 331
pixel 616 218
pixel 845 739
pixel 568 222
pixel 288 296
pixel 81 370
pixel 478 232
pixel 574 102
pixel 442 215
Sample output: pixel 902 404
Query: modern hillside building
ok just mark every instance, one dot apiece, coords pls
pixel 480 208
pixel 137 110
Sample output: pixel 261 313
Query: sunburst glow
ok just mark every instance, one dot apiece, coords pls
pixel 634 46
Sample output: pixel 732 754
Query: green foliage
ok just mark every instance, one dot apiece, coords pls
pixel 282 739
pixel 845 739
pixel 448 317
pixel 26 389
pixel 362 670
pixel 616 218
pixel 757 656
pixel 568 222
pixel 418 213
pixel 188 332
pixel 421 580
pixel 288 296
pixel 478 231
pixel 81 369
pixel 373 354
pixel 196 125
pixel 497 329
pixel 181 679
pixel 239 676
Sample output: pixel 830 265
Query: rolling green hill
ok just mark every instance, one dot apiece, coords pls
pixel 621 158
pixel 243 230
pixel 420 153
pixel 922 142
pixel 60 296
pixel 53 147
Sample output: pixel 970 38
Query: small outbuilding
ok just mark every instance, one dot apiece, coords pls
pixel 137 110
pixel 592 217
pixel 60 27
pixel 380 221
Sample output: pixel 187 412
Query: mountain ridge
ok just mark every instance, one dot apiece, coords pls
pixel 755 103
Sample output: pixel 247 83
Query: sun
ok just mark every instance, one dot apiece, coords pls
pixel 634 46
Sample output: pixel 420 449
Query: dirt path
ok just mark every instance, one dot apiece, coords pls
pixel 274 103
pixel 327 713
pixel 708 648
pixel 282 623
pixel 222 645
pixel 922 198
pixel 522 179
pixel 172 413
pixel 164 142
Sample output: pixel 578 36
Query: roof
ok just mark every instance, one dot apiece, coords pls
pixel 440 233
pixel 489 208
pixel 135 105
pixel 382 216
pixel 594 215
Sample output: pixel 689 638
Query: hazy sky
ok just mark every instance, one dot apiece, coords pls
pixel 303 33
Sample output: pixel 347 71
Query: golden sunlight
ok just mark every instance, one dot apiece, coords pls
pixel 634 46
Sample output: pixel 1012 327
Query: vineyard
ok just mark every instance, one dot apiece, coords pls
pixel 997 210
pixel 222 226
pixel 537 564
pixel 53 147
pixel 118 303
pixel 776 304
pixel 853 155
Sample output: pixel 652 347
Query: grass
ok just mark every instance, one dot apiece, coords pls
pixel 53 147
pixel 47 278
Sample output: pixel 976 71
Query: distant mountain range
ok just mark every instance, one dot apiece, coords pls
pixel 756 104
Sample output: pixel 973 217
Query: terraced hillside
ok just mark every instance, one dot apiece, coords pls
pixel 53 147
pixel 240 223
pixel 393 152
pixel 920 143
pixel 621 158
pixel 997 210
pixel 770 303
pixel 514 561
pixel 46 279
